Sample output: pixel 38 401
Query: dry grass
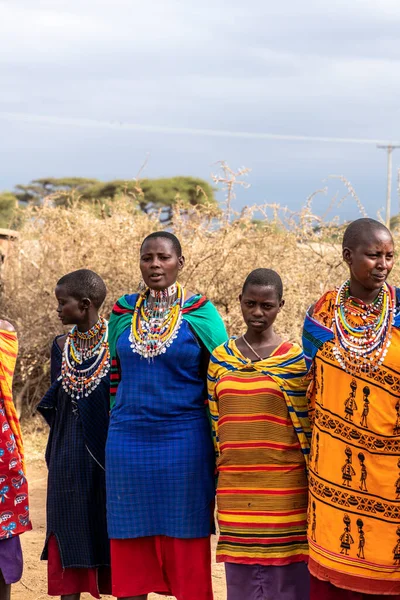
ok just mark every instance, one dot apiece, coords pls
pixel 219 255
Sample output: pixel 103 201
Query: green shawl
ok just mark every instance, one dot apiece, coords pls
pixel 199 312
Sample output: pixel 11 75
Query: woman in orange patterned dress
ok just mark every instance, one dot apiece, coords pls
pixel 352 340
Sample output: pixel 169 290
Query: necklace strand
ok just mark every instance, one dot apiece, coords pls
pixel 80 347
pixel 251 348
pixel 156 321
pixel 362 347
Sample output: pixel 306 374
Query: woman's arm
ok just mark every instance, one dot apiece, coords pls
pixel 311 393
pixel 48 404
pixel 56 357
pixel 213 404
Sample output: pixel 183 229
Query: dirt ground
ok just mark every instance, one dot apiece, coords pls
pixel 33 585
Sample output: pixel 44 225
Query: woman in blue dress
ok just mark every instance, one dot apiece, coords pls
pixel 160 462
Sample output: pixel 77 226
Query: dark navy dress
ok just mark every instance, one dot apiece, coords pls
pixel 159 455
pixel 76 497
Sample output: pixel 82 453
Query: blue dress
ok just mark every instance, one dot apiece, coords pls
pixel 159 452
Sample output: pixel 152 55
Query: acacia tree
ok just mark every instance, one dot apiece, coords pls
pixel 149 195
pixel 38 189
pixel 156 195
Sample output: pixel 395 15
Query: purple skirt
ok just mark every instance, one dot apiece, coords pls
pixel 259 582
pixel 11 559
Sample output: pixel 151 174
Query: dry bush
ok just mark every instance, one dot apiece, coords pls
pixel 219 255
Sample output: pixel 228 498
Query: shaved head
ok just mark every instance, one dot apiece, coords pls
pixel 265 278
pixel 362 230
pixel 166 235
pixel 368 250
pixel 85 284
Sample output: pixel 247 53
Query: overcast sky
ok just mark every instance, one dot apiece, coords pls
pixel 90 87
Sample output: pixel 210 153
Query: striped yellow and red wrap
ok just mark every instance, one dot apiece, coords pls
pixel 261 429
pixel 8 358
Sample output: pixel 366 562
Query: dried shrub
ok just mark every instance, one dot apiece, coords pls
pixel 219 254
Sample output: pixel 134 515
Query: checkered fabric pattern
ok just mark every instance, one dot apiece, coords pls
pixel 159 453
pixel 76 503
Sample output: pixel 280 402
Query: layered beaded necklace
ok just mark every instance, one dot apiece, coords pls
pixel 79 347
pixel 362 331
pixel 156 320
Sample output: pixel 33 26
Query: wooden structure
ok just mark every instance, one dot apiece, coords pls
pixel 7 237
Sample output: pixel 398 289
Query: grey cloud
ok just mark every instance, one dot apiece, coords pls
pixel 312 67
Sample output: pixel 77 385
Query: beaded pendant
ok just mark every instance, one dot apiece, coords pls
pixel 79 347
pixel 362 331
pixel 155 326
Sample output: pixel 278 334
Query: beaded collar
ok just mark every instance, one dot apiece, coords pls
pixel 362 331
pixel 79 347
pixel 168 292
pixel 155 325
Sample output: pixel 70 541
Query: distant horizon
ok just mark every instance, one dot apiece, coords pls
pixel 257 184
pixel 247 197
pixel 321 202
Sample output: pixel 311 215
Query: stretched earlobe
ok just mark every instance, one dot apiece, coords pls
pixel 346 255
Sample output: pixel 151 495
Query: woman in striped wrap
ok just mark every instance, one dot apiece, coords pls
pixel 259 412
pixel 14 504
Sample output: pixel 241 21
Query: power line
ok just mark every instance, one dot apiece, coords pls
pixel 138 127
pixel 389 149
pixel 104 124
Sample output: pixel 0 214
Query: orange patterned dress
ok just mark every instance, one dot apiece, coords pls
pixel 354 506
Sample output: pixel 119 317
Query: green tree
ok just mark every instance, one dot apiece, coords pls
pixel 38 189
pixel 150 195
pixel 8 209
pixel 156 194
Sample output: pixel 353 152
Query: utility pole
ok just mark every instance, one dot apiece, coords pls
pixel 389 148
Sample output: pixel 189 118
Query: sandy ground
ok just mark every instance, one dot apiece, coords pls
pixel 33 585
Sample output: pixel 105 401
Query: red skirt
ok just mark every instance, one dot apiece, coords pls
pixel 323 590
pixel 163 565
pixel 62 582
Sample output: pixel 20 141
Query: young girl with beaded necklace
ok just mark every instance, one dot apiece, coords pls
pixel 352 342
pixel 160 458
pixel 76 407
